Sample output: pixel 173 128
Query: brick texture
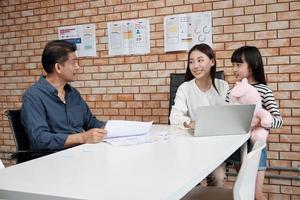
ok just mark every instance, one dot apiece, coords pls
pixel 137 87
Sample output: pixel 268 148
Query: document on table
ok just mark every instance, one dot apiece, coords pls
pixel 122 128
pixel 140 139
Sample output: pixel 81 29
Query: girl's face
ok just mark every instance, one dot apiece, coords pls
pixel 241 70
pixel 200 64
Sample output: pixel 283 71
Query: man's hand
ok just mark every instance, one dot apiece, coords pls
pixel 91 136
pixel 94 135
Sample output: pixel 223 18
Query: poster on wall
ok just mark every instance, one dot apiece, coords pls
pixel 82 35
pixel 178 35
pixel 183 31
pixel 128 37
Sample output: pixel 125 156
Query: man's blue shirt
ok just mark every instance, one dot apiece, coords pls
pixel 48 121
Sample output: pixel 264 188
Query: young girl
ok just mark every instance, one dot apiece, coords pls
pixel 200 89
pixel 247 63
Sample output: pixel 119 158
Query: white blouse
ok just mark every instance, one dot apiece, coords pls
pixel 189 97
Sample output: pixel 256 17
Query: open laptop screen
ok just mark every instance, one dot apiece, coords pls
pixel 223 120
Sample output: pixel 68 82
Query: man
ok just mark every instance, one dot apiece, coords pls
pixel 53 113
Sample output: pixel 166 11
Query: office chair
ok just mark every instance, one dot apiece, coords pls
pixel 244 186
pixel 1 165
pixel 24 152
pixel 177 79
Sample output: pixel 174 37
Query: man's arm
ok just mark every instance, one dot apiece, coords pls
pixel 94 128
pixel 90 121
pixel 91 136
pixel 34 120
pixel 35 123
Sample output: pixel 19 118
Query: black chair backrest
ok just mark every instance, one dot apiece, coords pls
pixel 20 137
pixel 220 75
pixel 177 79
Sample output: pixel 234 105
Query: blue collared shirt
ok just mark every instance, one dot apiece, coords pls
pixel 48 121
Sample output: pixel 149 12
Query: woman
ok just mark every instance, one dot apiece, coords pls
pixel 200 89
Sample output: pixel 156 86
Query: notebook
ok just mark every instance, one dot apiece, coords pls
pixel 223 120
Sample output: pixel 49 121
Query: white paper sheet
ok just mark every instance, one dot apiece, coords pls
pixel 122 128
pixel 202 28
pixel 135 140
pixel 183 31
pixel 84 36
pixel 128 37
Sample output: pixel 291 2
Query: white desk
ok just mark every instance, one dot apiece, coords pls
pixel 163 170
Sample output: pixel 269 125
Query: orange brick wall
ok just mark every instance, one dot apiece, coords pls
pixel 137 87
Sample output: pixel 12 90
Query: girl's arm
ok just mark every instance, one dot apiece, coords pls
pixel 269 103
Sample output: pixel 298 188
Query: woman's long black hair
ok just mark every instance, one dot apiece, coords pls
pixel 207 50
pixel 252 56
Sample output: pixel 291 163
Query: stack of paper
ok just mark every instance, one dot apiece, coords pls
pixel 140 139
pixel 124 133
pixel 122 128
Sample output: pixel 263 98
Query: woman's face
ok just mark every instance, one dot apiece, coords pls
pixel 200 64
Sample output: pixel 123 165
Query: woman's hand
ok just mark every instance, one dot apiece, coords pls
pixel 189 125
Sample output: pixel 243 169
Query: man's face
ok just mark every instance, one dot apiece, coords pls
pixel 69 68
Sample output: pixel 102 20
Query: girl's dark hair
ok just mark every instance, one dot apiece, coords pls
pixel 252 57
pixel 207 50
pixel 56 51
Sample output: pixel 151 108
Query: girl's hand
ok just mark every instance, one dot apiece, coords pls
pixel 255 122
pixel 189 125
pixel 237 83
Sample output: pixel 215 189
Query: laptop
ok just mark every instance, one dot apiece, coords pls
pixel 223 120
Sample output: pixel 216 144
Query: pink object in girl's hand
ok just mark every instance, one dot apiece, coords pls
pixel 244 93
